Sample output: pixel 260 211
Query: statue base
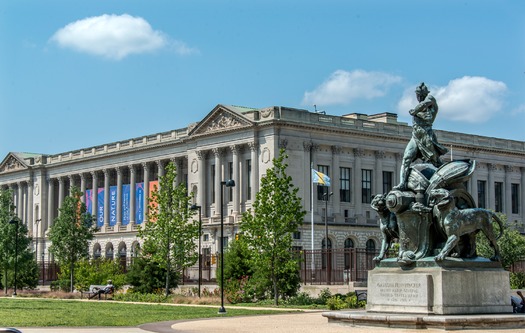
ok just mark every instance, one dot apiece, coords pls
pixel 450 287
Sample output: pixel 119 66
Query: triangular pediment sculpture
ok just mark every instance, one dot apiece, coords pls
pixel 12 163
pixel 220 119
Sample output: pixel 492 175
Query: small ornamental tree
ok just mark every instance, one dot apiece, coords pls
pixel 169 233
pixel 71 232
pixel 27 270
pixel 511 244
pixel 277 213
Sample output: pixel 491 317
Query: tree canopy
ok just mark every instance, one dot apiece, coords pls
pixel 277 213
pixel 71 232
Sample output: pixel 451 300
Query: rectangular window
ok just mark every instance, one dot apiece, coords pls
pixel 296 235
pixel 366 186
pixel 206 237
pixel 230 176
pixel 498 197
pixel 515 194
pixel 248 179
pixel 213 184
pixel 482 194
pixel 344 183
pixel 224 243
pixel 321 190
pixel 387 181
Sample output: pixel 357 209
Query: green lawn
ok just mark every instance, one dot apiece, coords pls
pixel 23 312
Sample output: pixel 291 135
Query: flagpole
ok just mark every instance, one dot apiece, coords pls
pixel 312 265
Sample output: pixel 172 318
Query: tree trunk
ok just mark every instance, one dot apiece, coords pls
pixel 71 276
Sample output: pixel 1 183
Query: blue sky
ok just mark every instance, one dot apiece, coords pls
pixel 75 74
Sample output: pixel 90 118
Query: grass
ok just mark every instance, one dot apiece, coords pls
pixel 25 312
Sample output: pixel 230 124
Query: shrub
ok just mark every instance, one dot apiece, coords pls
pixel 324 295
pixel 351 301
pixel 336 303
pixel 517 280
pixel 301 299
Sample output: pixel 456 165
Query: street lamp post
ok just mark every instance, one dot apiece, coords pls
pixel 15 222
pixel 43 269
pixel 326 197
pixel 37 222
pixel 228 183
pixel 194 207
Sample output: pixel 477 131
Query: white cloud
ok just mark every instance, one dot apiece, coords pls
pixel 470 99
pixel 115 37
pixel 343 87
pixel 519 110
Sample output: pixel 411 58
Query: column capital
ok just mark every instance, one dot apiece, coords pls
pixel 359 152
pixel 234 149
pixel 217 151
pixel 336 150
pixel 201 154
pixel 118 169
pixel 379 154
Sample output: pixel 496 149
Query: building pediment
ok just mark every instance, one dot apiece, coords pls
pixel 221 119
pixel 12 163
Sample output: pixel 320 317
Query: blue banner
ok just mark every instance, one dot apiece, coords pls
pixel 125 204
pixel 139 203
pixel 100 207
pixel 112 205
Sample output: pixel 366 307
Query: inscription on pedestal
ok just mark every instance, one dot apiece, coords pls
pixel 400 292
pixel 411 292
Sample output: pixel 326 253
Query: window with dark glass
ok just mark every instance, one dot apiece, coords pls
pixel 498 197
pixel 349 245
pixel 248 179
pixel 296 235
pixel 366 186
pixel 213 183
pixel 321 190
pixel 515 195
pixel 387 181
pixel 344 184
pixel 230 176
pixel 482 194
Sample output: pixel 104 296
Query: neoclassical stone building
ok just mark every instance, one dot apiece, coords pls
pixel 361 153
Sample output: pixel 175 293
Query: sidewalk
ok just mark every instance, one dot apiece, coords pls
pixel 306 322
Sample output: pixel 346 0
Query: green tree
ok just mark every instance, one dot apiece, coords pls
pixel 98 271
pixel 277 213
pixel 169 234
pixel 27 271
pixel 71 232
pixel 511 244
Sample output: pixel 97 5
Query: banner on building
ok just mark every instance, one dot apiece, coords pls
pixel 112 205
pixel 125 204
pixel 100 207
pixel 139 203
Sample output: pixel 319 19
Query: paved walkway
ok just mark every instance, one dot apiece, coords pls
pixel 306 322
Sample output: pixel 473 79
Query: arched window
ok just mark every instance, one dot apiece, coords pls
pixel 370 245
pixel 96 251
pixel 323 243
pixel 349 245
pixel 109 251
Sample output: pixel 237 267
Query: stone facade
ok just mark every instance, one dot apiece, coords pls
pixel 362 155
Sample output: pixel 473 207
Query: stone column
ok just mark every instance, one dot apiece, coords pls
pixel 50 203
pixel 160 168
pixel 60 191
pixel 145 169
pixel 119 197
pixel 132 195
pixel 255 169
pixel 336 184
pixel 201 192
pixel 236 189
pixel 356 182
pixel 94 199
pixel 83 187
pixel 377 183
pixel 71 183
pixel 19 202
pixel 507 199
pixel 474 187
pixel 218 179
pixel 491 199
pixel 106 199
pixel 30 219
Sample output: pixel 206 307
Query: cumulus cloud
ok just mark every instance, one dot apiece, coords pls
pixel 342 87
pixel 115 37
pixel 470 99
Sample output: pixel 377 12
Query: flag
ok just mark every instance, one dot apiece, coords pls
pixel 320 178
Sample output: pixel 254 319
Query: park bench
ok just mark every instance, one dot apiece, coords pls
pixel 97 290
pixel 361 295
